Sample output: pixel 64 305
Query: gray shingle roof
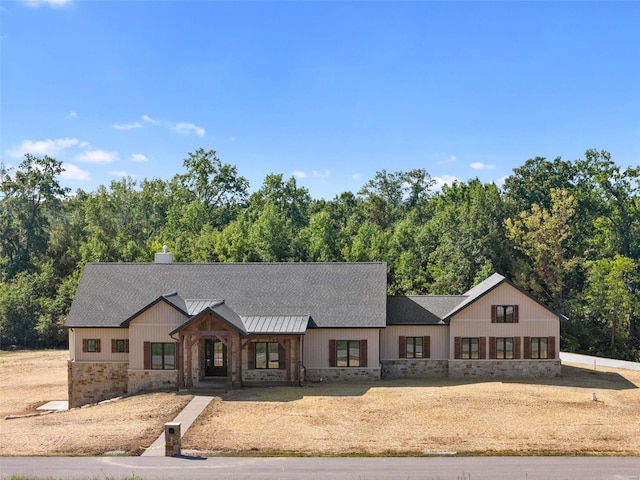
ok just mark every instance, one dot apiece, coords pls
pixel 420 309
pixel 476 292
pixel 333 294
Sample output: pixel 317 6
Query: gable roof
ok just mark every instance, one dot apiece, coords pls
pixel 220 310
pixel 332 294
pixel 438 309
pixel 487 286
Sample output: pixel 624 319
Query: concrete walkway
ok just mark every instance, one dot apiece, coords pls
pixel 598 361
pixel 186 418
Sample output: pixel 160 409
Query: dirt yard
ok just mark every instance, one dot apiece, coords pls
pixel 556 416
pixel 29 379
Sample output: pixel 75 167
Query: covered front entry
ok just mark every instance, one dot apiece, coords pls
pixel 215 358
pixel 219 343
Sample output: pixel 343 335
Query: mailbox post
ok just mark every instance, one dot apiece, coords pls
pixel 172 439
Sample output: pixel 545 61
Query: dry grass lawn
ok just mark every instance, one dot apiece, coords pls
pixel 554 416
pixel 29 379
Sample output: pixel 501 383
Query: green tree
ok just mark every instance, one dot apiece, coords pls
pixel 542 235
pixel 532 183
pixel 611 304
pixel 388 196
pixel 321 238
pixel 28 197
pixel 271 235
pixel 468 223
pixel 614 203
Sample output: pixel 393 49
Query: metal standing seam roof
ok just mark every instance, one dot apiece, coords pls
pixel 193 307
pixel 296 324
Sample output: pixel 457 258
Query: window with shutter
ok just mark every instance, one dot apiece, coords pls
pixel 402 352
pixel 457 348
pixel 527 348
pixel 91 345
pixel 332 353
pixel 350 353
pixel 160 356
pixel 363 354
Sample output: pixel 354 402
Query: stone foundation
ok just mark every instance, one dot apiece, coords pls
pixel 504 368
pixel 341 374
pixel 263 375
pixel 145 380
pixel 414 368
pixel 91 382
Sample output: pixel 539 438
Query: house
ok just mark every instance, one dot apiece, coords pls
pixel 143 326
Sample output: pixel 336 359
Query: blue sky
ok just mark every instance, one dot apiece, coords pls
pixel 329 92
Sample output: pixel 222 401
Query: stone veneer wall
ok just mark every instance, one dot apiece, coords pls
pixel 263 375
pixel 91 382
pixel 141 380
pixel 504 368
pixel 341 374
pixel 414 368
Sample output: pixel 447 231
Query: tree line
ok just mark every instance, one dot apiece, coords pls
pixel 566 231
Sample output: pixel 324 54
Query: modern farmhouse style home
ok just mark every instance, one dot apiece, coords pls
pixel 143 326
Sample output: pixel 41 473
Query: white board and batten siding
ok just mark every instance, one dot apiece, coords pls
pixel 77 337
pixel 316 344
pixel 439 343
pixel 153 325
pixel 475 320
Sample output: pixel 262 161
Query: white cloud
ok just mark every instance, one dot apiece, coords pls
pixel 44 147
pixel 120 173
pixel 127 126
pixel 72 115
pixel 356 176
pixel 148 119
pixel 501 180
pixel 481 166
pixel 139 157
pixel 317 174
pixel 299 174
pixel 97 156
pixel 187 128
pixel 443 180
pixel 38 3
pixel 72 172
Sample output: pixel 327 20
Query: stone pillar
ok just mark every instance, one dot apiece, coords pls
pixel 172 439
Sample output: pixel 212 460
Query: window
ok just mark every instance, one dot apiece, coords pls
pixel 539 347
pixel 91 345
pixel 347 353
pixel 505 314
pixel 470 348
pixel 119 346
pixel 415 347
pixel 163 356
pixel 267 355
pixel 504 348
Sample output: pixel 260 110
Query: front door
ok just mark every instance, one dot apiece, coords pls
pixel 215 358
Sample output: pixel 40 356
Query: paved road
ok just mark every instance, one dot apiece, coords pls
pixel 598 361
pixel 464 468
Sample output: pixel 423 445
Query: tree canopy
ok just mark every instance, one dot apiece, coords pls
pixel 566 231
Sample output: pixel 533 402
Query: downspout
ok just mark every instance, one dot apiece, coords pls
pixel 301 364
